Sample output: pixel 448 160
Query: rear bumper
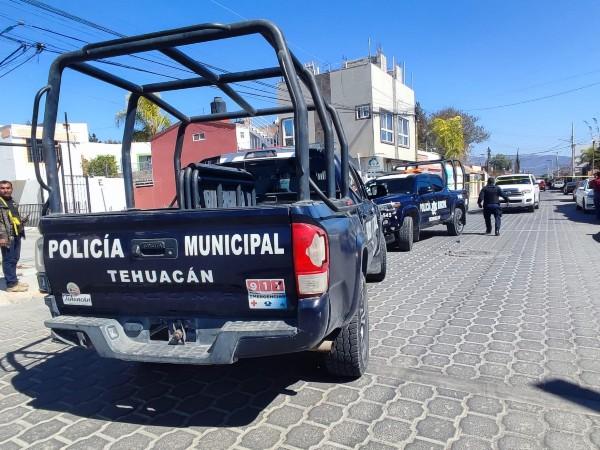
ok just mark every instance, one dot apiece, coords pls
pixel 233 339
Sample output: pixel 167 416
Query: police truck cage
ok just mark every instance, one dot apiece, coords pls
pixel 167 42
pixel 452 171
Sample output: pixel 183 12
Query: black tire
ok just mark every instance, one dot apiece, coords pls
pixel 531 208
pixel 456 225
pixel 405 236
pixel 585 211
pixel 537 205
pixel 416 232
pixel 577 205
pixel 349 352
pixel 380 276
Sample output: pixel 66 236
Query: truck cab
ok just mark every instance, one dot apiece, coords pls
pixel 417 199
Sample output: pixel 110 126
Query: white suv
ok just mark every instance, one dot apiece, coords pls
pixel 521 189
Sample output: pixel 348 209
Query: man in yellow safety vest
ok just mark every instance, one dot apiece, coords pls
pixel 12 231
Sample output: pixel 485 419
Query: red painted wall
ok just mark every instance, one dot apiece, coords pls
pixel 220 137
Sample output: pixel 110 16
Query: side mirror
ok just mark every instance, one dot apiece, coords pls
pixel 425 190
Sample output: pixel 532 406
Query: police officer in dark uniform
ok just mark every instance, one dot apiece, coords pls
pixel 490 197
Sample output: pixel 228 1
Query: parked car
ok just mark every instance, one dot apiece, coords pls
pixel 541 184
pixel 577 186
pixel 569 187
pixel 410 203
pixel 558 184
pixel 584 197
pixel 521 189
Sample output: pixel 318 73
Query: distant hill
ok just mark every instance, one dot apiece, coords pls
pixel 536 164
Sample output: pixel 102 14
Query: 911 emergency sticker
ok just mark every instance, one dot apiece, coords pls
pixel 266 294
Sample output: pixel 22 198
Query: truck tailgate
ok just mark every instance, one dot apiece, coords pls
pixel 225 262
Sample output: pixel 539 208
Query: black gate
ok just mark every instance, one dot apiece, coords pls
pixel 76 194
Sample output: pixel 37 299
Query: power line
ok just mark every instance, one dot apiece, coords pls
pixel 37 52
pixel 536 99
pixel 6 61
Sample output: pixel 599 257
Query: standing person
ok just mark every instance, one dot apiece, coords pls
pixel 490 197
pixel 595 186
pixel 11 233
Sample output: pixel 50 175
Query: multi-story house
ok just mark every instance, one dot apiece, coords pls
pixel 376 107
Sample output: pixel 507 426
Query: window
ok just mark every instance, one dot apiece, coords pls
pixel 402 185
pixel 287 129
pixel 362 112
pixel 144 162
pixel 437 183
pixel 40 150
pixel 423 185
pixel 241 135
pixel 387 127
pixel 403 132
pixel 198 137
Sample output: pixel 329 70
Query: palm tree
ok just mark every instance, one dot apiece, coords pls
pixel 149 120
pixel 590 156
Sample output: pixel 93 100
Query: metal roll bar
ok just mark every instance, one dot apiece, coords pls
pixel 166 42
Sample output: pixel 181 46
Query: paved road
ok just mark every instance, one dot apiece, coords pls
pixel 485 342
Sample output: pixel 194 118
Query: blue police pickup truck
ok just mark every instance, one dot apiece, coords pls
pixel 418 197
pixel 261 253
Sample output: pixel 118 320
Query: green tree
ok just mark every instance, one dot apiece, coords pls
pixel 93 138
pixel 101 166
pixel 500 163
pixel 591 157
pixel 149 120
pixel 473 133
pixel 449 136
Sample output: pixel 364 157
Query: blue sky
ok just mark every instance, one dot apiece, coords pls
pixel 471 55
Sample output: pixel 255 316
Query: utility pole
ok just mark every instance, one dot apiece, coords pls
pixel 70 161
pixel 593 155
pixel 572 149
pixel 487 161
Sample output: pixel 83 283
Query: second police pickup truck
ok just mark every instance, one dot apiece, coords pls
pixel 418 196
pixel 262 253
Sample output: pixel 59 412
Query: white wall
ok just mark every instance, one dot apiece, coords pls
pixel 107 194
pixel 242 134
pixel 383 98
pixel 93 149
pixel 7 161
pixel 350 88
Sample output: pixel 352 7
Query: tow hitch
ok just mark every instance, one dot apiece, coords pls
pixel 177 333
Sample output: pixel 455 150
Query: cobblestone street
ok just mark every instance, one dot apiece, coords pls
pixel 477 342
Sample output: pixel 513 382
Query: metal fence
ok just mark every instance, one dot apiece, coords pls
pixel 76 194
pixel 31 213
pixel 142 174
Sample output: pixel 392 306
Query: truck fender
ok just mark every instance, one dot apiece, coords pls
pixel 411 211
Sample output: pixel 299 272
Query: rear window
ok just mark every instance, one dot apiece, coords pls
pixel 276 177
pixel 513 180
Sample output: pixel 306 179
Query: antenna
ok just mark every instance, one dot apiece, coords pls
pixel 369 47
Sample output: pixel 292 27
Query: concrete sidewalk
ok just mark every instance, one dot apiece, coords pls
pixel 26 267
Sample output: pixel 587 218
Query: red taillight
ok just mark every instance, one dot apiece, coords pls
pixel 311 259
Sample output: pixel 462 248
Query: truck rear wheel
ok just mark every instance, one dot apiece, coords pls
pixel 456 225
pixel 380 276
pixel 349 352
pixel 405 236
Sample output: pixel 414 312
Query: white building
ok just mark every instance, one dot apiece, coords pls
pixel 17 166
pixel 376 107
pixel 255 133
